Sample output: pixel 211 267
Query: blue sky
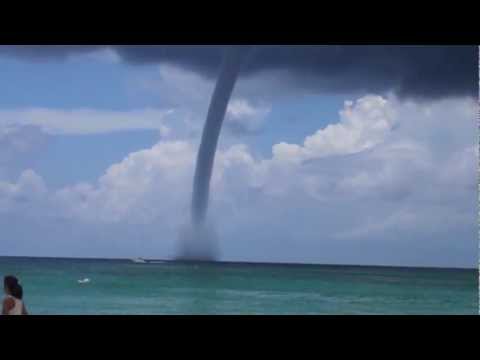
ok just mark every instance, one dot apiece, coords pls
pixel 102 154
pixel 89 82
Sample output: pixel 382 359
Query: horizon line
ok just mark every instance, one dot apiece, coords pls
pixel 241 262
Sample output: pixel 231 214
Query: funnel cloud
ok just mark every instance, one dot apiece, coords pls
pixel 198 241
pixel 211 132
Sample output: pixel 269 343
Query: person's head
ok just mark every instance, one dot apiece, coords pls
pixel 12 287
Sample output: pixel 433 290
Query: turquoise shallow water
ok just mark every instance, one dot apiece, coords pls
pixel 122 287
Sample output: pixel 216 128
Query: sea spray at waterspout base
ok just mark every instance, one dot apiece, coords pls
pixel 198 242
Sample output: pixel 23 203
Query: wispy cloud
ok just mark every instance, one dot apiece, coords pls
pixel 87 121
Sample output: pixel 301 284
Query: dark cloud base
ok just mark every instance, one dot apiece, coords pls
pixel 428 72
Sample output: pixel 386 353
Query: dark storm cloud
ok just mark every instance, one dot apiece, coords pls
pixel 411 71
pixel 41 52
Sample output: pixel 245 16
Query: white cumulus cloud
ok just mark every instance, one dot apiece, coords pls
pixel 375 181
pixel 29 188
pixel 244 116
pixel 363 124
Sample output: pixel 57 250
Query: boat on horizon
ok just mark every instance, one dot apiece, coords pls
pixel 146 261
pixel 139 261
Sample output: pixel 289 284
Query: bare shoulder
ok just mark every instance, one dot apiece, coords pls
pixel 8 303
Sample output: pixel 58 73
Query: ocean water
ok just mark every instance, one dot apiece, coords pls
pixel 123 287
